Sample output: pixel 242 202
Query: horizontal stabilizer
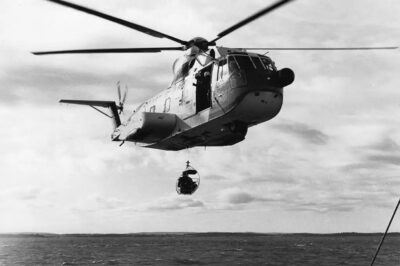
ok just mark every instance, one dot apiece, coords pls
pixel 106 104
pixel 91 103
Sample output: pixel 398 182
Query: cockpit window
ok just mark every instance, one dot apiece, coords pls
pixel 237 63
pixel 244 61
pixel 268 63
pixel 257 62
pixel 250 62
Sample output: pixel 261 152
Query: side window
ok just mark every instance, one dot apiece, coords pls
pixel 225 71
pixel 167 105
pixel 152 109
pixel 222 69
pixel 233 66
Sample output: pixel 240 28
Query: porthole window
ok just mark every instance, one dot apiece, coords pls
pixel 167 105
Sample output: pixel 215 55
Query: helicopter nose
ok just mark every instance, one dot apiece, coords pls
pixel 285 76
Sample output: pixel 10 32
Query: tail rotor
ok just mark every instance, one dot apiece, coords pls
pixel 121 97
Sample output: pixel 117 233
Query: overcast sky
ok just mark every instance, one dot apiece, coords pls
pixel 329 162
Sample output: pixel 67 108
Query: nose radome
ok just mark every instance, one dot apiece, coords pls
pixel 285 76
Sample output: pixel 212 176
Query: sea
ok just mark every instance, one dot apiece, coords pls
pixel 198 249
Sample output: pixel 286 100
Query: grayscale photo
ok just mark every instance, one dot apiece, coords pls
pixel 172 132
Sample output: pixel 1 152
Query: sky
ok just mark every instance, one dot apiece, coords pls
pixel 329 162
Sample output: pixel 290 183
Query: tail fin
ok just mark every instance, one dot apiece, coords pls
pixel 106 104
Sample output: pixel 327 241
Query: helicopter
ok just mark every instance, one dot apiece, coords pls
pixel 216 92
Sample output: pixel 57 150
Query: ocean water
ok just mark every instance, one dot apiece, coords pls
pixel 198 249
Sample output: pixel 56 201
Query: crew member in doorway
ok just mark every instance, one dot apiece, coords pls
pixel 203 90
pixel 207 81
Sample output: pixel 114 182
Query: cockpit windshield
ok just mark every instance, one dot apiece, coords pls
pixel 250 62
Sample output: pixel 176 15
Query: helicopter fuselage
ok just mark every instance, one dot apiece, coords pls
pixel 211 102
pixel 215 96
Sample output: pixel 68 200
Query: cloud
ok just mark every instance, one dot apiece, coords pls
pixel 304 132
pixel 341 193
pixel 361 166
pixel 320 207
pixel 340 201
pixel 237 196
pixel 385 145
pixel 384 159
pixel 100 205
pixel 376 155
pixel 109 203
pixel 312 194
pixel 272 179
pixel 47 84
pixel 171 203
pixel 215 177
pixel 21 193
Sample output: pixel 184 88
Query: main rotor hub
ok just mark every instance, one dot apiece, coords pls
pixel 199 42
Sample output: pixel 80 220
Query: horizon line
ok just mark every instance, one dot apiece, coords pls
pixel 186 232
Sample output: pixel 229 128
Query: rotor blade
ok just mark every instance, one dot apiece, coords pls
pixel 322 48
pixel 125 95
pixel 119 91
pixel 119 21
pixel 251 18
pixel 113 50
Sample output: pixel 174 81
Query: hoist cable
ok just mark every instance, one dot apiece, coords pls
pixel 384 235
